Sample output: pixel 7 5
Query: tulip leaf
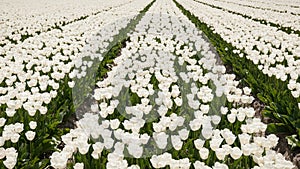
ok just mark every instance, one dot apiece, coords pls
pixel 277 128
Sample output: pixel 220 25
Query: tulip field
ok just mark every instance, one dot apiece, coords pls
pixel 141 84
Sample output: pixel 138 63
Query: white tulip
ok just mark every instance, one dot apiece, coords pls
pixel 2 153
pixel 30 135
pixel 231 118
pixel 79 166
pixel 32 125
pixel 204 152
pixel 176 142
pixel 215 143
pixel 220 166
pixel 160 139
pixel 2 122
pixel 114 124
pixel 135 150
pixel 195 124
pixel 244 138
pixel 184 134
pixel 199 143
pixel 236 153
pixel 207 132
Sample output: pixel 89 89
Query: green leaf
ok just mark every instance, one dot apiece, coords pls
pixel 268 113
pixel 262 98
pixel 43 163
pixel 276 128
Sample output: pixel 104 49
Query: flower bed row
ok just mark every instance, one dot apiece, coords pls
pixel 21 21
pixel 274 52
pixel 280 105
pixel 291 7
pixel 167 102
pixel 283 21
pixel 35 85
